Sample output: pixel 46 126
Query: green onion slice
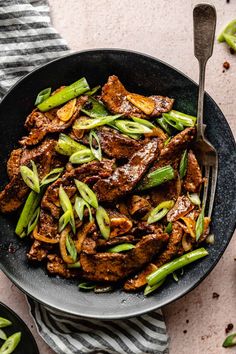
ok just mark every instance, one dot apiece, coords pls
pixel 30 177
pixel 11 343
pixel 200 224
pixel 194 198
pixel 164 125
pixel 103 221
pixel 43 95
pixel 175 277
pixel 87 194
pixel 230 29
pixel 67 146
pixel 167 141
pixel 86 286
pixel 121 248
pixel 33 221
pixel 96 152
pixel 4 322
pixel 144 122
pixel 79 206
pixel 3 335
pixel 230 40
pixel 64 220
pixel 67 206
pixel 74 265
pixel 230 341
pixel 82 156
pixel 183 164
pixel 185 119
pixel 160 211
pixel 157 177
pixel 96 122
pixel 93 91
pixel 168 228
pixel 70 246
pixel 127 126
pixel 149 289
pixel 175 124
pixel 95 108
pixel 52 176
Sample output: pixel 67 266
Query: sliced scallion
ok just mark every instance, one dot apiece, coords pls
pixel 127 126
pixel 93 91
pixel 103 221
pixel 149 289
pixel 4 322
pixel 183 164
pixel 194 198
pixel 67 206
pixel 157 177
pixel 79 206
pixel 144 122
pixel 178 117
pixel 164 125
pixel 200 224
pixel 43 95
pixel 160 211
pixel 30 177
pixel 3 335
pixel 67 146
pixel 175 124
pixel 87 194
pixel 230 341
pixel 86 286
pixel 52 176
pixel 74 265
pixel 11 343
pixel 82 156
pixel 168 228
pixel 64 220
pixel 96 122
pixel 94 109
pixel 121 248
pixel 70 246
pixel 96 152
pixel 33 221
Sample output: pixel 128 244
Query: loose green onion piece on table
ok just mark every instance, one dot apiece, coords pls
pixel 66 94
pixel 144 122
pixel 96 152
pixel 96 122
pixel 64 220
pixel 31 204
pixel 194 198
pixel 11 343
pixel 67 146
pixel 157 177
pixel 33 221
pixel 231 41
pixel 164 125
pixel 200 224
pixel 74 265
pixel 94 109
pixel 103 221
pixel 127 126
pixel 160 211
pixel 149 289
pixel 79 206
pixel 4 322
pixel 70 246
pixel 86 193
pixel 183 164
pixel 43 95
pixel 30 177
pixel 52 176
pixel 86 286
pixel 230 29
pixel 121 248
pixel 175 124
pixel 168 228
pixel 93 91
pixel 230 341
pixel 3 335
pixel 168 268
pixel 67 206
pixel 185 119
pixel 82 156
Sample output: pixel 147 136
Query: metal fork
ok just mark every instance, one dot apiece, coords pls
pixel 204 20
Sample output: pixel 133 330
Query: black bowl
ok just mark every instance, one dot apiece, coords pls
pixel 145 75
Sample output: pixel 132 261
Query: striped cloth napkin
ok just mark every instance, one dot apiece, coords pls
pixel 27 40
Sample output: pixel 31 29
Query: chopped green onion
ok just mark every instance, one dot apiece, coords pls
pixel 121 248
pixel 86 286
pixel 96 152
pixel 67 146
pixel 43 95
pixel 175 124
pixel 64 220
pixel 164 125
pixel 149 289
pixel 200 224
pixel 175 277
pixel 231 41
pixel 11 343
pixel 133 136
pixel 4 322
pixel 33 221
pixel 3 335
pixel 30 177
pixel 65 95
pixel 168 228
pixel 67 206
pixel 87 194
pixel 95 109
pixel 93 91
pixel 144 122
pixel 127 126
pixel 96 122
pixel 167 141
pixel 210 239
pixel 70 246
pixel 194 198
pixel 168 268
pixel 230 29
pixel 79 206
pixel 74 265
pixel 103 221
pixel 230 341
pixel 178 117
pixel 82 156
pixel 52 176
pixel 183 164
pixel 157 177
pixel 160 211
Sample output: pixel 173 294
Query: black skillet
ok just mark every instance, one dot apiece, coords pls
pixel 142 74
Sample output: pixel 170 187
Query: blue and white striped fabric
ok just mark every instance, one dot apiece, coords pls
pixel 27 40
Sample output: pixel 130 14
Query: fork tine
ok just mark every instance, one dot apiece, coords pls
pixel 213 187
pixel 206 184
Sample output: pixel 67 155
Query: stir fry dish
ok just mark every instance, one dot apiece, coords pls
pixel 108 187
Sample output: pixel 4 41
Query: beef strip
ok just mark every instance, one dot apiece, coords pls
pixel 182 207
pixel 113 267
pixel 40 124
pixel 16 190
pixel 56 266
pixel 114 96
pixel 37 252
pixel 193 179
pixel 143 228
pixel 173 246
pixel 102 244
pixel 125 178
pixel 50 201
pixel 119 224
pixel 138 206
pixel 167 191
pixel 13 163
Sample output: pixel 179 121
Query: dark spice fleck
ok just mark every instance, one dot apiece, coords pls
pixel 215 295
pixel 232 51
pixel 226 65
pixel 223 71
pixel 228 1
pixel 229 328
pixel 187 321
pixel 185 331
pixel 88 106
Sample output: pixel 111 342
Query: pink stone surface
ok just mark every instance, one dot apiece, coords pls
pixel 163 29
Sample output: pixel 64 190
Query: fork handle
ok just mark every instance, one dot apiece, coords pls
pixel 204 23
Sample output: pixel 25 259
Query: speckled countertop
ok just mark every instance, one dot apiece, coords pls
pixel 196 323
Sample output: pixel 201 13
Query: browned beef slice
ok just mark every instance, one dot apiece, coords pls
pixel 40 124
pixel 13 163
pixel 37 252
pixel 125 178
pixel 173 246
pixel 114 95
pixel 102 244
pixel 50 201
pixel 120 224
pixel 193 179
pixel 47 225
pixel 138 206
pixel 116 266
pixel 16 190
pixel 182 207
pixel 56 266
pixel 143 228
